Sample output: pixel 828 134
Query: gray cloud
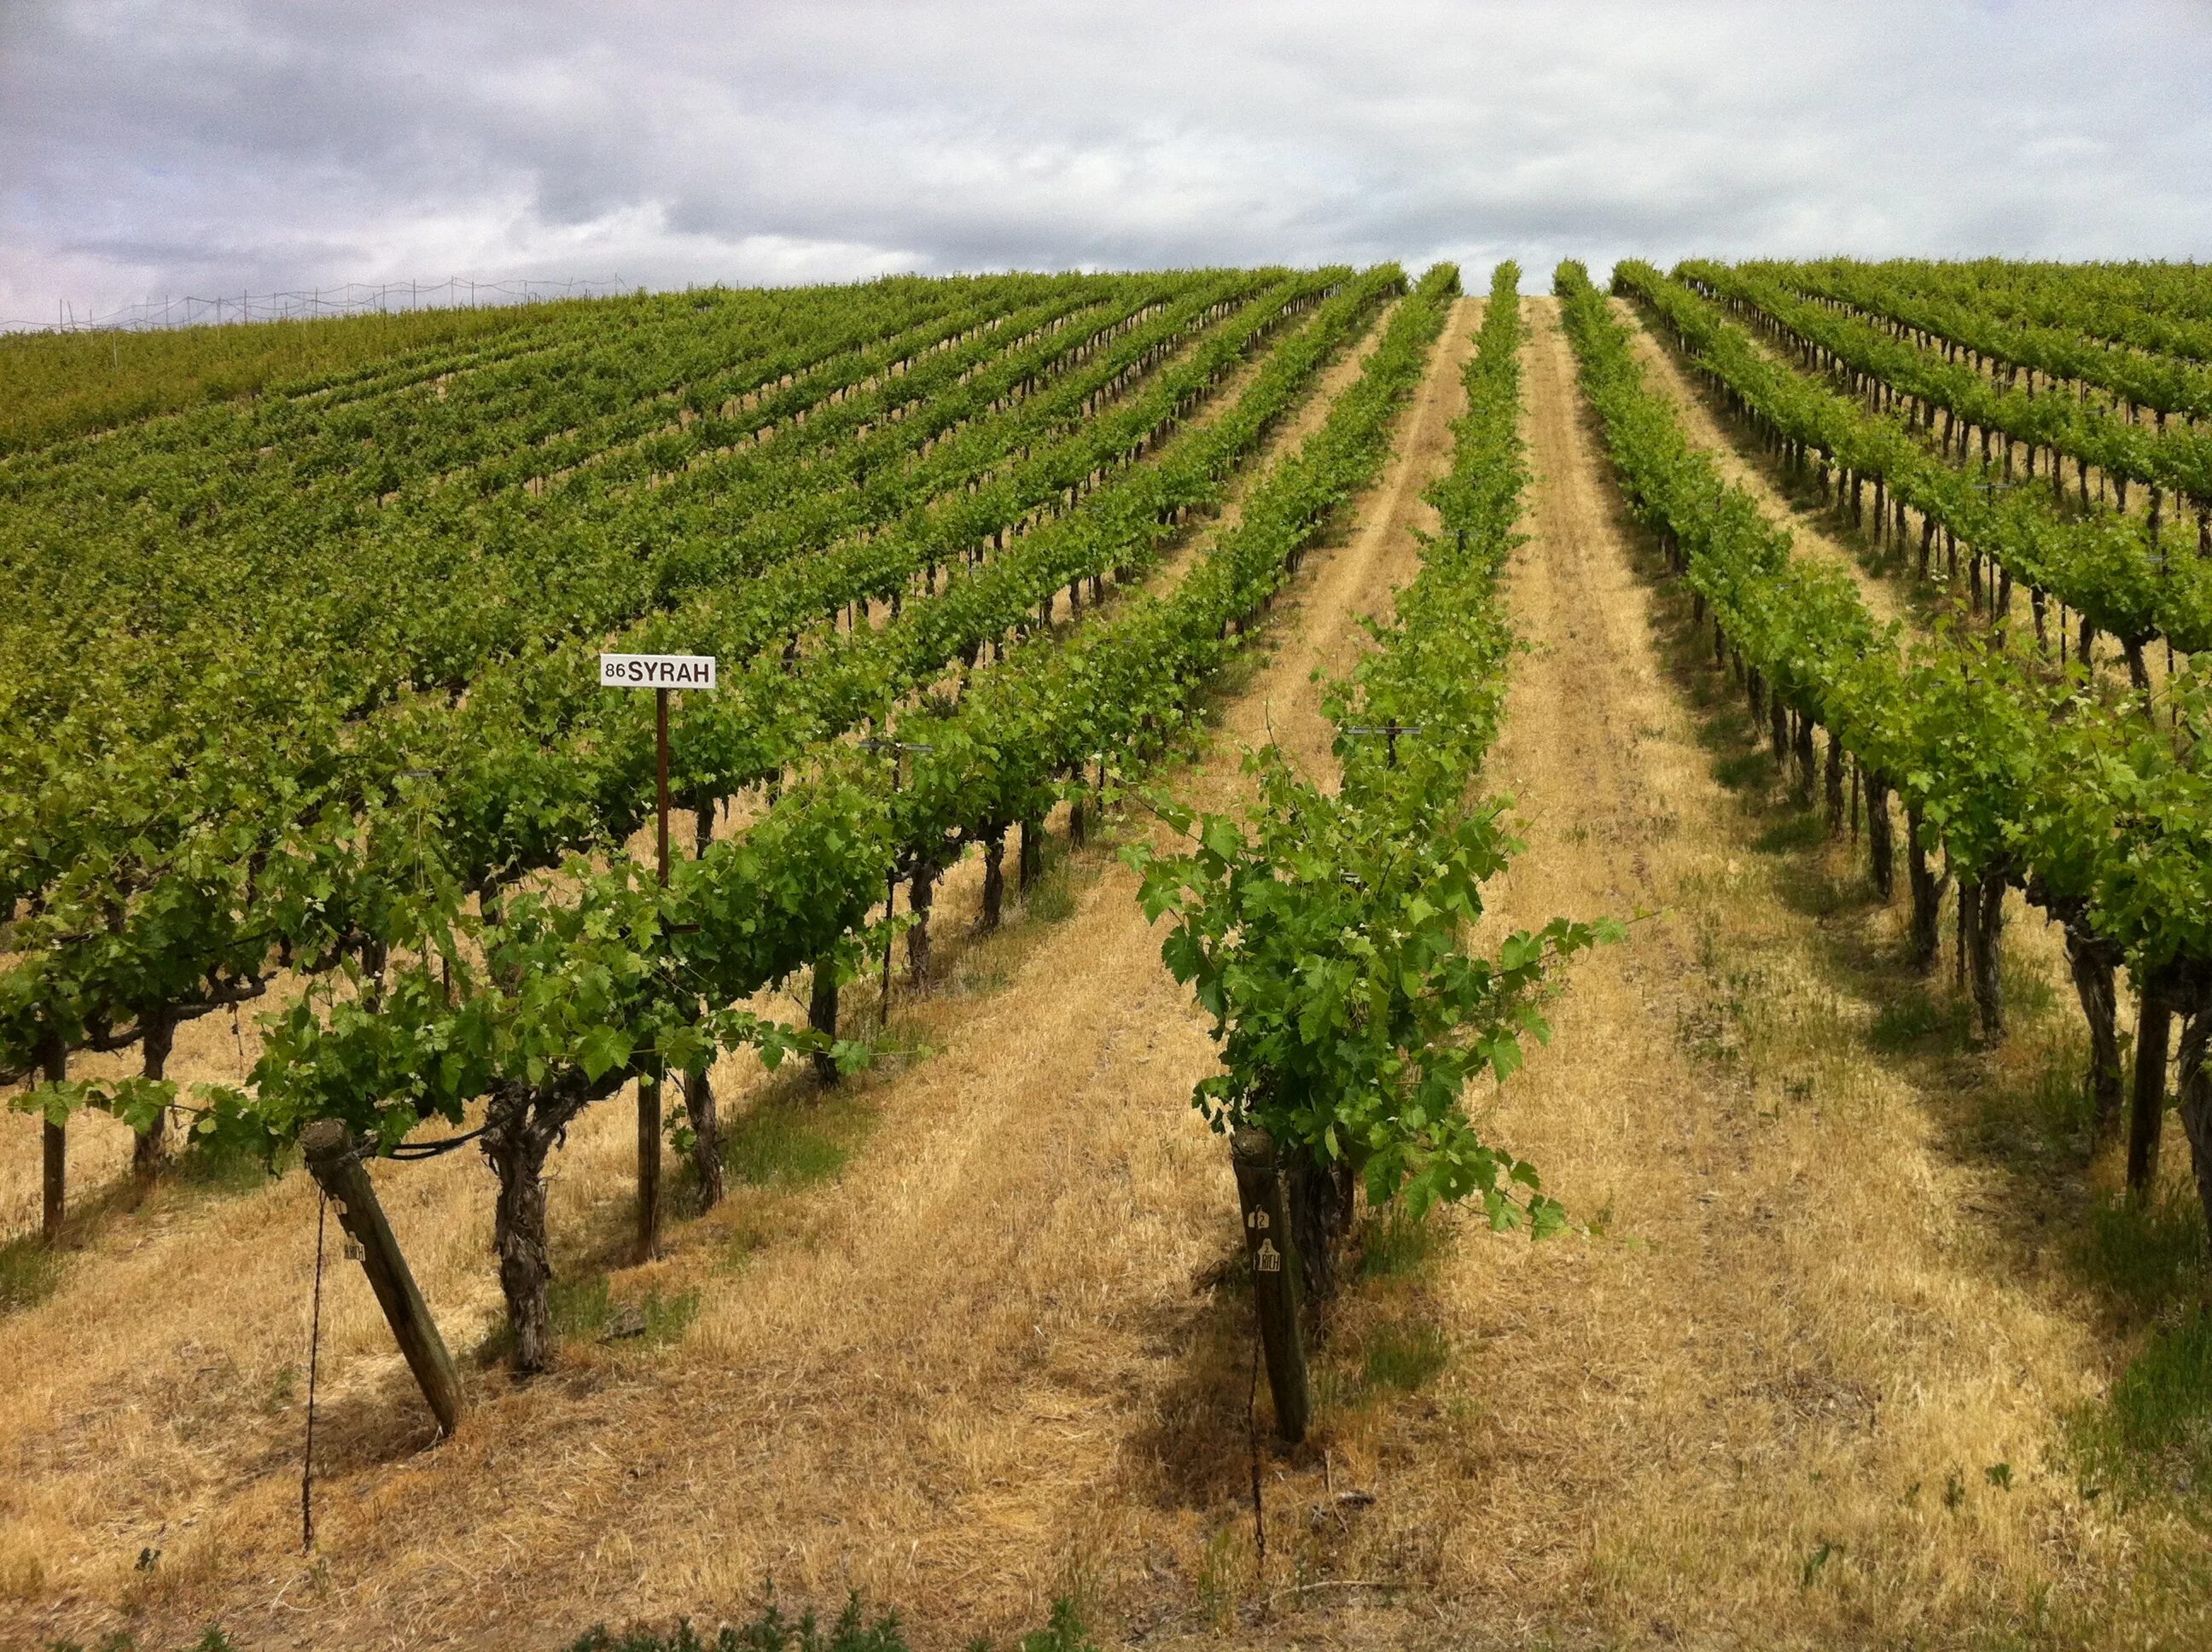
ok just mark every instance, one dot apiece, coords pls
pixel 255 144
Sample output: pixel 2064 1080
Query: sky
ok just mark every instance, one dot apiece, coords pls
pixel 232 146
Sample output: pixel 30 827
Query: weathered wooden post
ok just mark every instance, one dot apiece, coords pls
pixel 53 1149
pixel 648 1161
pixel 1275 1292
pixel 328 1146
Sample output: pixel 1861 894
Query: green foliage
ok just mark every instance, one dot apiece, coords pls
pixel 1063 1633
pixel 2101 563
pixel 55 386
pixel 1868 317
pixel 304 841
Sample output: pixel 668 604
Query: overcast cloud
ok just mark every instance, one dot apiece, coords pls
pixel 236 145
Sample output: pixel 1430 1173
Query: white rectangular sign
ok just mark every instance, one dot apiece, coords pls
pixel 656 671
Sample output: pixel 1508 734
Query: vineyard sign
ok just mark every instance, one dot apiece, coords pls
pixel 664 672
pixel 656 671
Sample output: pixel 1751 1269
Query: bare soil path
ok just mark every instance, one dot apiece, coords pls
pixel 1812 536
pixel 1757 1405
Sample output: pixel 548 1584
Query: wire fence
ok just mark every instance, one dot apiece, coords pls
pixel 354 298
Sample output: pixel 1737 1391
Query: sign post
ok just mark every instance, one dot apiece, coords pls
pixel 890 878
pixel 660 673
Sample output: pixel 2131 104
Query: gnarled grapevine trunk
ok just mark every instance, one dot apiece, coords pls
pixel 706 1136
pixel 2147 1104
pixel 53 1150
pixel 1832 775
pixel 1320 1197
pixel 516 1142
pixel 1881 852
pixel 1031 865
pixel 2092 961
pixel 1927 895
pixel 995 880
pixel 921 895
pixel 822 1016
pixel 2195 1088
pixel 1982 900
pixel 161 1032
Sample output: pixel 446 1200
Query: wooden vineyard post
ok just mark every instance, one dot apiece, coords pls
pixel 648 1083
pixel 648 1163
pixel 328 1147
pixel 53 1152
pixel 1275 1295
pixel 896 748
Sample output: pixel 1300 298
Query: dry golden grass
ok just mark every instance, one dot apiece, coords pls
pixel 997 1353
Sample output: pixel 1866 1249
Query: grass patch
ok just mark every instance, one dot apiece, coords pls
pixel 214 1640
pixel 205 1167
pixel 2049 1107
pixel 2028 993
pixel 1405 1356
pixel 2147 1253
pixel 1051 899
pixel 584 1310
pixel 1393 1244
pixel 29 1271
pixel 2154 1428
pixel 787 1143
pixel 1745 768
pixel 1917 1022
pixel 977 977
pixel 1798 832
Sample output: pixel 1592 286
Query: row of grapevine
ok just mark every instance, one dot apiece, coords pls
pixel 2136 308
pixel 568 994
pixel 2066 356
pixel 2017 775
pixel 72 810
pixel 2101 564
pixel 1327 932
pixel 288 868
pixel 2049 427
pixel 59 387
pixel 369 599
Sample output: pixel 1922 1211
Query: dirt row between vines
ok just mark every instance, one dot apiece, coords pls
pixel 1771 1400
pixel 2034 943
pixel 955 1375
